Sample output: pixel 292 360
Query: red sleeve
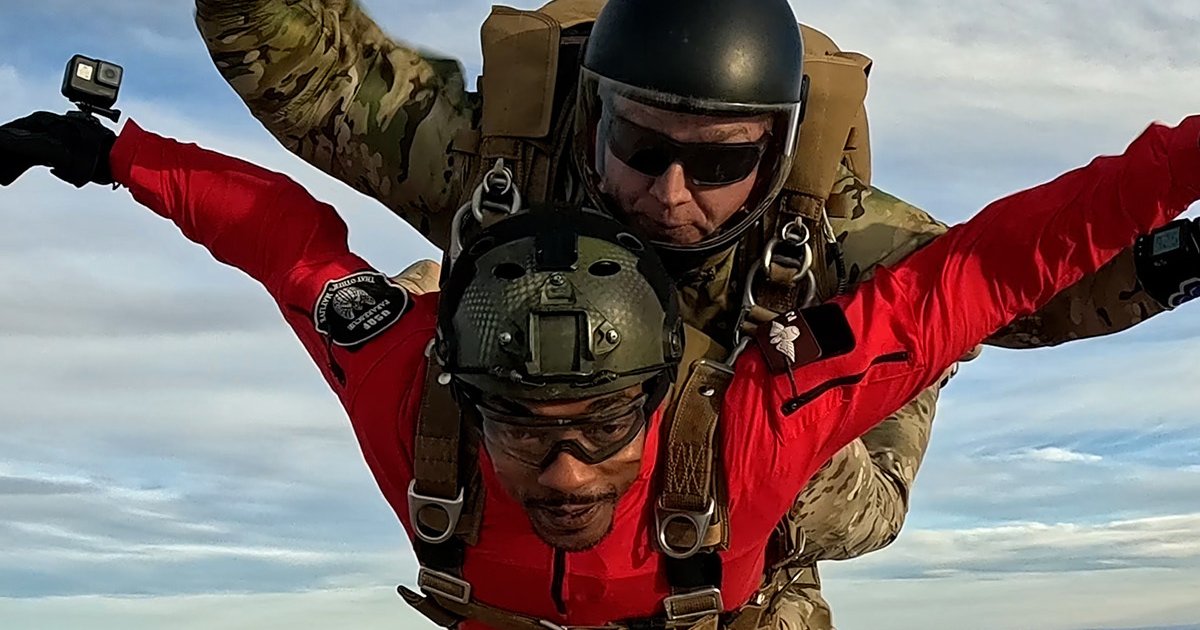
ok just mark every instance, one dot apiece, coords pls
pixel 365 334
pixel 268 226
pixel 254 219
pixel 914 320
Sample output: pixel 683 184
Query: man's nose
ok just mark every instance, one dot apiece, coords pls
pixel 567 474
pixel 670 188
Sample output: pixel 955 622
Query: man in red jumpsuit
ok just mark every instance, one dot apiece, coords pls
pixel 568 538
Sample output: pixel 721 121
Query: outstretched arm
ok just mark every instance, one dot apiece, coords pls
pixel 256 220
pixel 910 322
pixel 1008 261
pixel 881 230
pixel 268 226
pixel 334 89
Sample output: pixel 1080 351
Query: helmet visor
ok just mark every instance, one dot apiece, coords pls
pixel 734 157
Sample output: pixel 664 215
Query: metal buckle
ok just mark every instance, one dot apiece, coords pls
pixel 795 234
pixel 436 583
pixel 698 520
pixel 452 508
pixel 790 236
pixel 501 177
pixel 682 607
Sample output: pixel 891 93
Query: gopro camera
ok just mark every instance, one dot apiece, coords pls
pixel 93 85
pixel 1167 261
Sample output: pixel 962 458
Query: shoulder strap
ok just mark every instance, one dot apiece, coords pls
pixel 445 497
pixel 530 66
pixel 830 133
pixel 833 139
pixel 691 513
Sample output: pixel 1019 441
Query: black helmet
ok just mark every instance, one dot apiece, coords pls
pixel 733 60
pixel 559 304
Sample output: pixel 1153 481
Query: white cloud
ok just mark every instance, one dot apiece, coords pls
pixel 1034 547
pixel 1134 573
pixel 1145 599
pixel 357 606
pixel 1056 455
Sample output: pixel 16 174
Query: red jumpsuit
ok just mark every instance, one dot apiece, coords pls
pixel 910 323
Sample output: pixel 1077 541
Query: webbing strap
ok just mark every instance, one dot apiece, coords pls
pixel 439 428
pixel 446 495
pixel 689 525
pixel 686 505
pixel 778 291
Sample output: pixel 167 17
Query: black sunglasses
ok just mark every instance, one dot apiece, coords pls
pixel 704 163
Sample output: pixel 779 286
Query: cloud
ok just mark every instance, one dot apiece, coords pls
pixel 193 529
pixel 1056 455
pixel 1119 574
pixel 350 606
pixel 1165 542
pixel 1113 599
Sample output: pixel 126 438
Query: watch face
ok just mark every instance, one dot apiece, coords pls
pixel 1166 242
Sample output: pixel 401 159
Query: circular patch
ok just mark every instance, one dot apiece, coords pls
pixel 356 308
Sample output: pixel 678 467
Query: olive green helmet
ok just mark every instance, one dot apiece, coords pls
pixel 559 304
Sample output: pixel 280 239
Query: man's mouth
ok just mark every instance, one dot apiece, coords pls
pixel 569 518
pixel 664 225
pixel 684 232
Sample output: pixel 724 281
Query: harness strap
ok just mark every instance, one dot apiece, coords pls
pixel 435 453
pixel 447 613
pixel 445 497
pixel 755 615
pixel 778 290
pixel 445 511
pixel 836 108
pixel 691 513
pixel 686 507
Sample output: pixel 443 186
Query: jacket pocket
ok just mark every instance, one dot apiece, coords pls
pixel 882 367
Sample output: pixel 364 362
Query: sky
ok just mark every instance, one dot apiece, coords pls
pixel 169 458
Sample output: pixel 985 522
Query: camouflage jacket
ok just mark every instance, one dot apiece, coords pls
pixel 382 116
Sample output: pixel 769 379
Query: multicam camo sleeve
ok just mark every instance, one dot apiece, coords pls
pixel 334 89
pixel 858 501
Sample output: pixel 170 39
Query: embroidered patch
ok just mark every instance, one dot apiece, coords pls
pixel 356 308
pixel 798 338
pixel 787 341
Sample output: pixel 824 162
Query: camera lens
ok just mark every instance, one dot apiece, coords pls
pixel 108 74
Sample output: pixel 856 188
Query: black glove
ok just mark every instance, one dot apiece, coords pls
pixel 75 146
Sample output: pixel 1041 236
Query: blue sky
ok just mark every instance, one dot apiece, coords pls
pixel 170 459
